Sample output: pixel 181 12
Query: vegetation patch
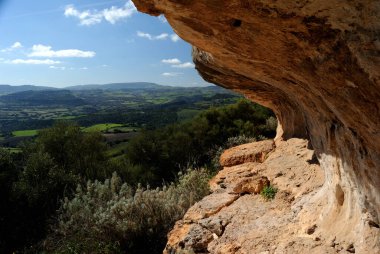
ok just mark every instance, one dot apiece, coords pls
pixel 24 133
pixel 13 149
pixel 269 192
pixel 186 114
pixel 101 127
pixel 123 129
pixel 102 214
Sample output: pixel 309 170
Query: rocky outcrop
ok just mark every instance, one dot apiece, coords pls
pixel 246 153
pixel 316 63
pixel 235 219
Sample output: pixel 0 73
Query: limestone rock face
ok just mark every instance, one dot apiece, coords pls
pixel 236 219
pixel 246 153
pixel 316 63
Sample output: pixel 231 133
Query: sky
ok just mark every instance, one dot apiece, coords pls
pixel 73 42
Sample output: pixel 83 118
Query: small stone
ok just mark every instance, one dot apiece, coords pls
pixel 373 224
pixel 350 248
pixel 278 175
pixel 311 229
pixel 332 242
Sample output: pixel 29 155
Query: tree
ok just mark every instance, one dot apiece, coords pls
pixel 74 151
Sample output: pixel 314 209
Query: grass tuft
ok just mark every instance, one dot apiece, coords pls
pixel 269 192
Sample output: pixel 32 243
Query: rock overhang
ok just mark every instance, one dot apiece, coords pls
pixel 317 65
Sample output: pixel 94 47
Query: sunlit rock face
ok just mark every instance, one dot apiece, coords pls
pixel 316 63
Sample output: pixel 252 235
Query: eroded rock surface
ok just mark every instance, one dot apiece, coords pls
pixel 316 63
pixel 246 153
pixel 234 220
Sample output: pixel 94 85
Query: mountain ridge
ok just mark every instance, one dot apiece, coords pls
pixel 9 89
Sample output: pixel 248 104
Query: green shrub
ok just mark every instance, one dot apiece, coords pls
pixel 269 192
pixel 113 215
pixel 239 140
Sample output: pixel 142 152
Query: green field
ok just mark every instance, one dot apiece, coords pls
pixel 13 149
pixel 101 127
pixel 24 133
pixel 67 117
pixel 123 129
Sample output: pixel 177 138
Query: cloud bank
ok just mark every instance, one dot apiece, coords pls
pixel 148 36
pixel 176 63
pixel 91 17
pixel 171 74
pixel 33 61
pixel 171 61
pixel 40 50
pixel 162 36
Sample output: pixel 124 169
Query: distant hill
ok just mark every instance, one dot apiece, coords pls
pixel 117 86
pixel 45 97
pixel 7 89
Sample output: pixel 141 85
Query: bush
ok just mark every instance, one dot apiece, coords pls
pixel 111 215
pixel 238 140
pixel 269 192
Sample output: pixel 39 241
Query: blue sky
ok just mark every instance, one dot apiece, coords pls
pixel 61 42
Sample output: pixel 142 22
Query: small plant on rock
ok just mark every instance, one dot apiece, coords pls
pixel 269 192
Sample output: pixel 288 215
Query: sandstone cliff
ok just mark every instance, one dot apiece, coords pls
pixel 316 63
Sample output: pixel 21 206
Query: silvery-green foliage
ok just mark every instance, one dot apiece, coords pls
pixel 239 140
pixel 112 212
pixel 271 123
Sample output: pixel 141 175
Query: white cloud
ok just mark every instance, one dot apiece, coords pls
pixel 84 68
pixel 33 61
pixel 174 37
pixel 46 51
pixel 171 61
pixel 144 35
pixel 86 18
pixel 162 36
pixel 176 63
pixel 171 74
pixel 114 14
pixel 184 65
pixel 14 46
pixel 92 17
pixel 57 67
pixel 148 36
